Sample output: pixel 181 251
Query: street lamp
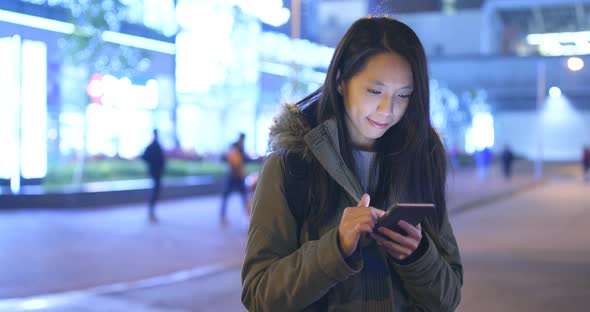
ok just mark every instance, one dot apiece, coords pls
pixel 574 64
pixel 295 19
pixel 295 35
pixel 554 92
pixel 541 90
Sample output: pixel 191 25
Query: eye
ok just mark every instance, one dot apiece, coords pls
pixel 373 91
pixel 405 96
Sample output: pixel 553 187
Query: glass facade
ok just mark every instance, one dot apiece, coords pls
pixel 227 70
pixel 49 116
pixel 232 74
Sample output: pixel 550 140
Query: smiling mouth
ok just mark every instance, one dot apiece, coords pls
pixel 377 124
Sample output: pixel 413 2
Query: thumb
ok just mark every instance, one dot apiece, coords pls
pixel 364 202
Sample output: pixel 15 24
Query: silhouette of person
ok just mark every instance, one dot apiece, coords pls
pixel 586 163
pixel 454 156
pixel 155 160
pixel 507 159
pixel 235 158
pixel 482 160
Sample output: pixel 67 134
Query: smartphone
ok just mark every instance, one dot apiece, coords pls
pixel 413 213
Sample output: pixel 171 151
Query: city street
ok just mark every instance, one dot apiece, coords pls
pixel 524 251
pixel 123 124
pixel 528 253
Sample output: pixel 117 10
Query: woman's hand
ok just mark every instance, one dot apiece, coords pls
pixel 398 245
pixel 356 220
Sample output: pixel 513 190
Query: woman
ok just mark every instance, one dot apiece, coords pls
pixel 367 140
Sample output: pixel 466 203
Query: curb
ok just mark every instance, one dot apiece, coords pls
pixel 62 299
pixel 99 197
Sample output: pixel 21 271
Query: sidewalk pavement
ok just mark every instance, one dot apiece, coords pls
pixel 467 190
pixel 106 251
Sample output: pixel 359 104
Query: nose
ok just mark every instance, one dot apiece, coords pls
pixel 385 106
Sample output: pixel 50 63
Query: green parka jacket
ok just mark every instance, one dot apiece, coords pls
pixel 278 274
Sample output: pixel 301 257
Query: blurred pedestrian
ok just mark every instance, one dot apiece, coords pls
pixel 155 160
pixel 454 157
pixel 507 159
pixel 236 173
pixel 361 142
pixel 483 158
pixel 586 163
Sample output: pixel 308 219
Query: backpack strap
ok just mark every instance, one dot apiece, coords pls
pixel 297 175
pixel 297 189
pixel 298 181
pixel 297 192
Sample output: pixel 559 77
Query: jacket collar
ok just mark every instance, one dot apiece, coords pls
pixel 323 143
pixel 292 133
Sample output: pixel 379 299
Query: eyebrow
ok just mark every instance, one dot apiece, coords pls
pixel 379 83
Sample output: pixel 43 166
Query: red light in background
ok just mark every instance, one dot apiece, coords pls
pixel 95 89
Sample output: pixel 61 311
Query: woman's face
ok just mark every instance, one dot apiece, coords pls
pixel 376 98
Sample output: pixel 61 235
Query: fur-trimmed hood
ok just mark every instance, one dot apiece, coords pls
pixel 292 132
pixel 288 131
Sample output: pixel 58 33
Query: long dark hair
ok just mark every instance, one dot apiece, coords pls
pixel 410 156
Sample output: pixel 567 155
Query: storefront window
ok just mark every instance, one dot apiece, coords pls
pixel 23 116
pixel 124 113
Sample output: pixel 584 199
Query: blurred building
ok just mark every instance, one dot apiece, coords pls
pixel 203 72
pixel 236 62
pixel 53 107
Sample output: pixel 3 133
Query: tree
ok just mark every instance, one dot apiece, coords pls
pixel 86 48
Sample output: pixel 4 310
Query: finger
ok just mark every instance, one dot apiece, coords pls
pixel 356 212
pixel 363 228
pixel 363 219
pixel 359 211
pixel 410 229
pixel 377 213
pixel 390 233
pixel 378 238
pixel 353 212
pixel 381 242
pixel 399 238
pixel 374 212
pixel 392 246
pixel 364 202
